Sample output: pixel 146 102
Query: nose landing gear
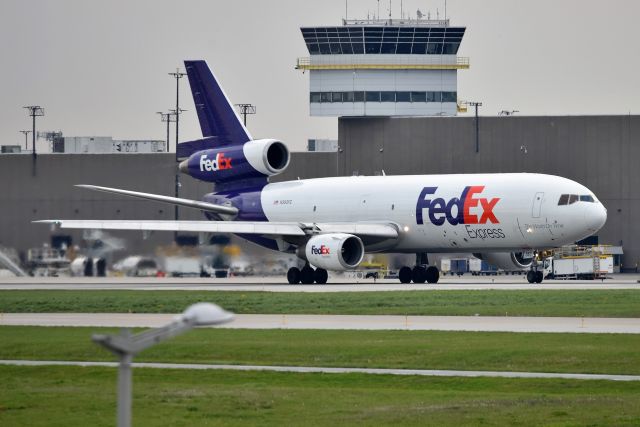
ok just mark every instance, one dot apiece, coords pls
pixel 534 276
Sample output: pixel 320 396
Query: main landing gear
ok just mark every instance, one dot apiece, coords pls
pixel 307 275
pixel 419 273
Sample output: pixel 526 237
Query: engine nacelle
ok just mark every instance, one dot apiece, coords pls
pixel 267 156
pixel 336 252
pixel 254 159
pixel 508 261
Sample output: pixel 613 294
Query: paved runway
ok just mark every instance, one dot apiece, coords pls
pixel 307 369
pixel 360 322
pixel 276 284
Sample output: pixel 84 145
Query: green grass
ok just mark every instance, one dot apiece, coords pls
pixel 72 396
pixel 588 303
pixel 499 351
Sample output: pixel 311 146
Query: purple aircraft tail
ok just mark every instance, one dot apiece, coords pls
pixel 219 122
pixel 226 155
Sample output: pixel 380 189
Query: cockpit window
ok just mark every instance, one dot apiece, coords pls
pixel 569 199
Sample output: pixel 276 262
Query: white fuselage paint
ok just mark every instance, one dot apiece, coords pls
pixel 527 214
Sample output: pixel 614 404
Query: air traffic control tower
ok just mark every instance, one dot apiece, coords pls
pixel 384 67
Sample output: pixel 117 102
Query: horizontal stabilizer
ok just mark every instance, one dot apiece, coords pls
pixel 203 206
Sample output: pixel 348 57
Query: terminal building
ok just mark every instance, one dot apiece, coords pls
pixel 383 67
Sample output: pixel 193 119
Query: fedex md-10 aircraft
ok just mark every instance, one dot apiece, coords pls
pixel 330 223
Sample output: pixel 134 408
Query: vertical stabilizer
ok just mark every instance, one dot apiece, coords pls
pixel 219 121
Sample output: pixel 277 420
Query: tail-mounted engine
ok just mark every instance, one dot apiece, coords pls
pixel 254 159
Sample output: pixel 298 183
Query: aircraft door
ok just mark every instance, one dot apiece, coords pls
pixel 537 205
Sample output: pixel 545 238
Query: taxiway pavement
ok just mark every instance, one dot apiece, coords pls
pixel 276 284
pixel 358 322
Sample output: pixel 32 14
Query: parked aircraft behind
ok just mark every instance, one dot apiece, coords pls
pixel 330 223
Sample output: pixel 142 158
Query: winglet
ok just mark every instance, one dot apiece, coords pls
pixel 216 114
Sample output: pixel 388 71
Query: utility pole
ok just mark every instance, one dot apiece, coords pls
pixel 246 109
pixel 477 104
pixel 177 75
pixel 34 111
pixel 26 138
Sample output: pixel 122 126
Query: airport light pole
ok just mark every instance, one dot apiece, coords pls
pixel 177 75
pixel 246 109
pixel 34 111
pixel 125 346
pixel 26 138
pixel 477 104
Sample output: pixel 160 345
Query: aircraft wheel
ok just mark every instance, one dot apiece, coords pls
pixel 306 275
pixel 293 276
pixel 405 275
pixel 531 276
pixel 539 276
pixel 432 274
pixel 419 274
pixel 320 276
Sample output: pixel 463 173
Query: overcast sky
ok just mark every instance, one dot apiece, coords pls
pixel 100 67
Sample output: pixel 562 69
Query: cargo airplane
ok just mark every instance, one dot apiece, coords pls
pixel 330 223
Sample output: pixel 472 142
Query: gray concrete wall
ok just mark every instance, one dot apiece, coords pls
pixel 47 191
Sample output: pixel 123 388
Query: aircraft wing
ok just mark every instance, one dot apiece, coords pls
pixel 381 230
pixel 196 204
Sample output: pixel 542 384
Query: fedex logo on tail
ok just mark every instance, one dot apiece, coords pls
pixel 457 210
pixel 211 165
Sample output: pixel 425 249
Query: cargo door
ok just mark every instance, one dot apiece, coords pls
pixel 537 205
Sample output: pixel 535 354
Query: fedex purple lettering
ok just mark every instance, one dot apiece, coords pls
pixel 440 210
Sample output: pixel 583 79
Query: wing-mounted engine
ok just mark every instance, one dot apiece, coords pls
pixel 254 159
pixel 334 251
pixel 508 261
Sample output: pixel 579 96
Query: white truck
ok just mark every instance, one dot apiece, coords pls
pixel 578 267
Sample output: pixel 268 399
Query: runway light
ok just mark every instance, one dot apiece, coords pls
pixel 125 346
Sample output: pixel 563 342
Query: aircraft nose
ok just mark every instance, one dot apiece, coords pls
pixel 596 217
